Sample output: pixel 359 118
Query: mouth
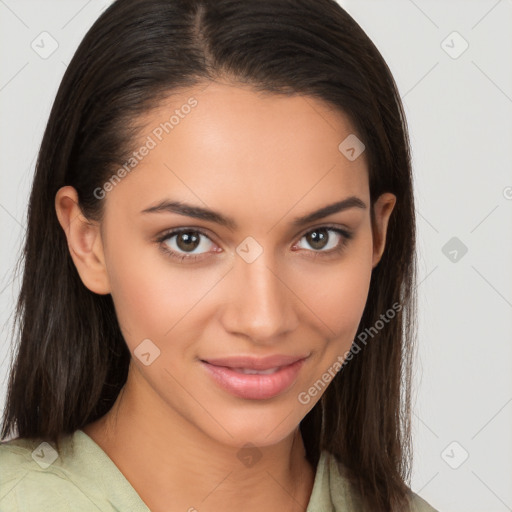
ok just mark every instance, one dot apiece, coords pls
pixel 250 371
pixel 254 379
pixel 255 363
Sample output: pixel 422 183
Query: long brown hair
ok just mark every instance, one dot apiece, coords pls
pixel 71 360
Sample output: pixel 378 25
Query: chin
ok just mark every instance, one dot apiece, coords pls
pixel 258 427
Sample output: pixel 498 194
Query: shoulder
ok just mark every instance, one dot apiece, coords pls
pixel 32 478
pixel 418 504
pixel 342 494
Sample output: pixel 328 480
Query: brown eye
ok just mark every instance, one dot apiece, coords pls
pixel 322 240
pixel 325 241
pixel 180 244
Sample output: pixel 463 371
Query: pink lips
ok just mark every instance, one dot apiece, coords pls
pixel 229 373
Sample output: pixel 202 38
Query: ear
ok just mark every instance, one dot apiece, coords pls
pixel 382 210
pixel 84 241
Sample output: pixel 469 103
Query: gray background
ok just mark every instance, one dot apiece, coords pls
pixel 459 106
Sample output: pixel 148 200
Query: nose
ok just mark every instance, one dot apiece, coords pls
pixel 261 305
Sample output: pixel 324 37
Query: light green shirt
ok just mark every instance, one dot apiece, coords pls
pixel 34 477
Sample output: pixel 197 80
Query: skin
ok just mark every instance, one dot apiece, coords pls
pixel 261 159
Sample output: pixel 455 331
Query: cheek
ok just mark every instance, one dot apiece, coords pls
pixel 336 293
pixel 152 295
pixel 143 300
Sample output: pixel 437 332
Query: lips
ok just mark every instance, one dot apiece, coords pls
pixel 254 378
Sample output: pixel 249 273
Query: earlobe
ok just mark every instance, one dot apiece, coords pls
pixel 382 208
pixel 84 241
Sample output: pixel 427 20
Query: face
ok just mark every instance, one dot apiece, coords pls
pixel 257 279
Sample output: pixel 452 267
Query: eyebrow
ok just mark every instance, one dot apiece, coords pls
pixel 198 212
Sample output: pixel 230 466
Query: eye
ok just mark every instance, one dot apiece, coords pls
pixel 323 242
pixel 180 244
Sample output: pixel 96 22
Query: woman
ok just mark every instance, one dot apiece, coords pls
pixel 217 309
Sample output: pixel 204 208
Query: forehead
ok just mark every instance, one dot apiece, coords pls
pixel 232 147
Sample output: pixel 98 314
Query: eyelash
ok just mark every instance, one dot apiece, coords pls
pixel 346 237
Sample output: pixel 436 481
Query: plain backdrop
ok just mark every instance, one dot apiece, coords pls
pixel 451 61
